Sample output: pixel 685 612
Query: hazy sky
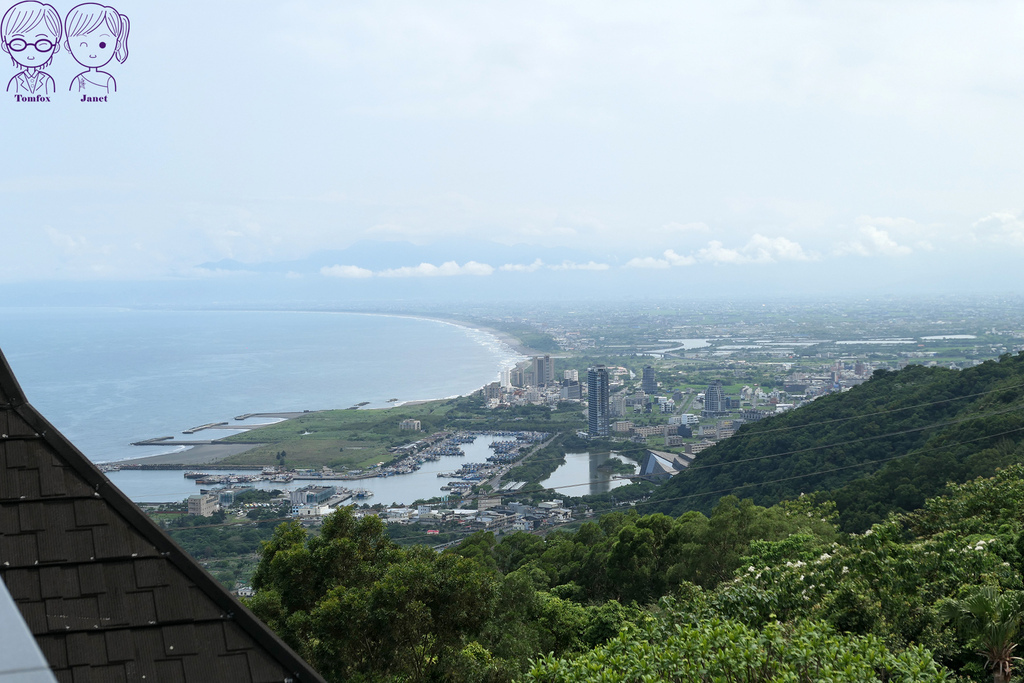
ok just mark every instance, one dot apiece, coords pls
pixel 481 148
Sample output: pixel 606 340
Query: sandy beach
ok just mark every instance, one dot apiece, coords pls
pixel 513 342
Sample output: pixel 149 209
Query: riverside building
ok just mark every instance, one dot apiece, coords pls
pixel 598 407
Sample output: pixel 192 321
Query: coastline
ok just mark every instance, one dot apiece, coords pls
pixel 206 454
pixel 505 338
pixel 514 343
pixel 203 454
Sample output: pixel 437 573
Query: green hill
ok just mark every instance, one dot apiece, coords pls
pixel 883 446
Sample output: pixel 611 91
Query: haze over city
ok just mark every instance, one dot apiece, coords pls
pixel 294 151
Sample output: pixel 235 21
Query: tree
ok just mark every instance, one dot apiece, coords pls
pixel 725 650
pixel 991 620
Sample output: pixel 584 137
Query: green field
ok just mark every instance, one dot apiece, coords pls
pixel 356 439
pixel 339 439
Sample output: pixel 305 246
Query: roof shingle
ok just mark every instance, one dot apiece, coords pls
pixel 106 593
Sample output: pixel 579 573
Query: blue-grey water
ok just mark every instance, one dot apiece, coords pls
pixel 164 486
pixel 106 377
pixel 579 475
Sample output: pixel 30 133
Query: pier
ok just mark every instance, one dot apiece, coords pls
pixel 169 441
pixel 208 425
pixel 286 416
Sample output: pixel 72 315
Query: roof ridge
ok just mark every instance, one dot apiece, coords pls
pixel 51 446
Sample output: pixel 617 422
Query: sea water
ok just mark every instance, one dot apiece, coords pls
pixel 107 377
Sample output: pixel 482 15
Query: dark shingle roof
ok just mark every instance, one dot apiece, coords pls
pixel 107 594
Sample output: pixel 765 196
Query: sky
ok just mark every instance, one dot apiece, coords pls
pixel 399 150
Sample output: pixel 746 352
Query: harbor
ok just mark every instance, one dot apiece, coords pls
pixel 162 484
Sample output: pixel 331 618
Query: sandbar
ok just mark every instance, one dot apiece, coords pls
pixel 196 455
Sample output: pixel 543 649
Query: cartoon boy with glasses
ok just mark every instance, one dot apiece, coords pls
pixel 30 33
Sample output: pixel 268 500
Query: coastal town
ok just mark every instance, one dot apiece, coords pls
pixel 648 400
pixel 595 419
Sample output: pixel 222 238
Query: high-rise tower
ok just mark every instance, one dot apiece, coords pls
pixel 714 401
pixel 598 408
pixel 649 384
pixel 543 370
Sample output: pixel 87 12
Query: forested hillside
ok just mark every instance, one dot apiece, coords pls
pixel 749 594
pixel 745 593
pixel 881 447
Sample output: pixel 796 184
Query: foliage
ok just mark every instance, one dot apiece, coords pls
pixel 628 557
pixel 539 465
pixel 359 607
pixel 884 446
pixel 727 650
pixel 991 620
pixel 255 496
pixel 613 466
pixel 742 581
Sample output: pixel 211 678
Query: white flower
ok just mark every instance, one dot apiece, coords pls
pixel 751 569
pixel 846 570
pixel 825 556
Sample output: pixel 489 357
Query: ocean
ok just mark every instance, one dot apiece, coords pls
pixel 107 377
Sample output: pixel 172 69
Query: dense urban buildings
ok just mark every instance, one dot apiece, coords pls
pixel 598 409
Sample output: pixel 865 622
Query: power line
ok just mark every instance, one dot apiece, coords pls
pixel 883 412
pixel 912 430
pixel 774 455
pixel 783 479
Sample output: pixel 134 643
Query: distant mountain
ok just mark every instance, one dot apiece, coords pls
pixel 883 446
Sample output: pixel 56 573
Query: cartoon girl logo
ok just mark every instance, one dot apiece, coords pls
pixel 31 32
pixel 95 35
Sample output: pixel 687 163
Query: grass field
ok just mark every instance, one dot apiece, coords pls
pixel 356 439
pixel 339 439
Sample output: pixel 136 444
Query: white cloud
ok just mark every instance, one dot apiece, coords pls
pixel 1000 228
pixel 448 268
pixel 758 249
pixel 676 260
pixel 716 252
pixel 570 265
pixel 648 262
pixel 523 268
pixel 761 249
pixel 874 241
pixel 346 272
pixel 670 258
